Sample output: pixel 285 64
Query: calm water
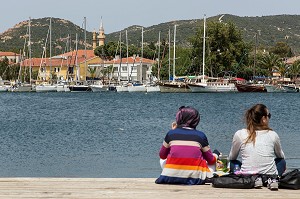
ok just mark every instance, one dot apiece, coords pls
pixel 120 134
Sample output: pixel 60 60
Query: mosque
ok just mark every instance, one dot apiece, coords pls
pixel 100 39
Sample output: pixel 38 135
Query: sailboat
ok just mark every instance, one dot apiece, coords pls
pixel 152 86
pixel 80 86
pixel 139 86
pixel 178 84
pixel 23 86
pixel 4 85
pixel 210 84
pixel 122 87
pixel 45 86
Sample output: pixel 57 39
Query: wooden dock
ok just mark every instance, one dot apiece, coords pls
pixel 131 188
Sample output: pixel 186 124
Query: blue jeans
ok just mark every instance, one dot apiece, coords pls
pixel 280 165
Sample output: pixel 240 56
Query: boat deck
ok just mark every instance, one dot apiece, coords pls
pixel 142 188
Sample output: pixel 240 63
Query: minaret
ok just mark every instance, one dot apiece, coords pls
pixel 101 35
pixel 94 40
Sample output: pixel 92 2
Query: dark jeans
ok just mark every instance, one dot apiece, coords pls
pixel 280 165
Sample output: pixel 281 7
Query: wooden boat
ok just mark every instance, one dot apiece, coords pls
pixel 246 87
pixel 174 87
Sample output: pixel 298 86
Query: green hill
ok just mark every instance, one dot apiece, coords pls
pixel 271 29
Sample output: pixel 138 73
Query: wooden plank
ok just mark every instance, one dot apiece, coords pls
pixel 122 188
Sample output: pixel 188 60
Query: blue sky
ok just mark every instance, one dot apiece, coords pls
pixel 119 14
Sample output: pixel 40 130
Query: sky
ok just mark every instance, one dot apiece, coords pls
pixel 120 14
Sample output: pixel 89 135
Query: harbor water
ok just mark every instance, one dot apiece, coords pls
pixel 120 134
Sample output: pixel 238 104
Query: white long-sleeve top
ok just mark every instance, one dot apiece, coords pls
pixel 258 158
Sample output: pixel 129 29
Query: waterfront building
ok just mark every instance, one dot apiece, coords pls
pixel 132 69
pixel 11 56
pixel 68 66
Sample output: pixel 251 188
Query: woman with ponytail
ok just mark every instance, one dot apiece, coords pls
pixel 258 145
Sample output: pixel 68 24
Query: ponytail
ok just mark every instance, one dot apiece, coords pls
pixel 253 118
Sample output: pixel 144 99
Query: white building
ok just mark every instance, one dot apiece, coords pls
pixel 11 56
pixel 131 69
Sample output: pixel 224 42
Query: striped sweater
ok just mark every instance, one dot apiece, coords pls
pixel 187 152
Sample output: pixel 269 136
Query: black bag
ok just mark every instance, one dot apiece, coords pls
pixel 290 180
pixel 234 181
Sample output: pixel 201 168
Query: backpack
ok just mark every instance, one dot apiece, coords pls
pixel 234 181
pixel 290 180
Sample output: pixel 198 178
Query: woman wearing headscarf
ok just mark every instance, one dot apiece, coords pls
pixel 186 151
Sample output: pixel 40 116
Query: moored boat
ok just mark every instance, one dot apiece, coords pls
pixel 45 88
pixel 174 87
pixel 152 88
pixel 283 86
pixel 247 87
pixel 211 85
pixel 136 87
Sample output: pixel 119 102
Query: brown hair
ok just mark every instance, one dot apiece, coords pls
pixel 253 118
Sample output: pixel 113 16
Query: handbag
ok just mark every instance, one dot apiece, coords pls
pixel 234 181
pixel 290 180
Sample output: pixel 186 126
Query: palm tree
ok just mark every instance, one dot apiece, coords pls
pixel 282 68
pixel 294 69
pixel 108 70
pixel 92 71
pixel 270 62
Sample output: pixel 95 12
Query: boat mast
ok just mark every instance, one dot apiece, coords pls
pixel 85 55
pixel 169 54
pixel 203 53
pixel 141 61
pixel 174 54
pixel 76 58
pixel 29 48
pixel 127 56
pixel 23 57
pixel 120 66
pixel 158 65
pixel 50 51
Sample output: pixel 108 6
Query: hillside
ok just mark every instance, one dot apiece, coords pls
pixel 14 38
pixel 271 29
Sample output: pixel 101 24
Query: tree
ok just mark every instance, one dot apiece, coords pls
pixel 282 69
pixel 183 64
pixel 225 48
pixel 294 70
pixel 282 49
pixel 269 62
pixel 92 71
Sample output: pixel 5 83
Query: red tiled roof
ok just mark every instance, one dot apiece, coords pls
pixel 36 62
pixel 2 54
pixel 80 53
pixel 63 59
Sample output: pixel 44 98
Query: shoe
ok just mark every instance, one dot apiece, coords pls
pixel 258 183
pixel 272 184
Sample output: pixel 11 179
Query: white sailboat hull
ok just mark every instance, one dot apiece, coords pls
pixel 46 88
pixel 3 89
pixel 139 88
pixel 153 88
pixel 99 88
pixel 122 88
pixel 23 88
pixel 281 88
pixel 62 88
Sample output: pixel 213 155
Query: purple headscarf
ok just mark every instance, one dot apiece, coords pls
pixel 187 117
